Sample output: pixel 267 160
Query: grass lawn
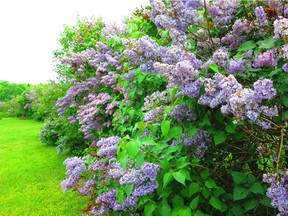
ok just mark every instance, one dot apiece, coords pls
pixel 31 173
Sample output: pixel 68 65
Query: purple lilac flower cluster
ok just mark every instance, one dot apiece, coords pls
pixel 241 102
pixel 87 188
pixel 183 14
pixel 101 58
pixel 236 37
pixel 176 18
pixel 280 28
pixel 75 166
pixel 71 97
pixel 144 52
pixel 266 59
pixel 261 16
pixel 180 70
pixel 113 30
pixel 278 191
pixel 154 104
pixel 143 178
pixel 88 114
pixel 182 112
pixel 222 11
pixel 108 146
pixel 198 143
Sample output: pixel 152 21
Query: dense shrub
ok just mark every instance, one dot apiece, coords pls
pixel 183 107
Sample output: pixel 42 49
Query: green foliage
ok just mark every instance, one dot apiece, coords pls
pixel 10 90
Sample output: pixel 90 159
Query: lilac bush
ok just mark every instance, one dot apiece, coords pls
pixel 184 108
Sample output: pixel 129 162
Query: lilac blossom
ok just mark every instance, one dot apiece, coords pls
pixel 108 146
pixel 86 113
pixel 261 16
pixel 87 188
pixel 75 166
pixel 280 28
pixel 198 143
pixel 133 176
pixel 236 66
pixel 265 59
pixel 220 56
pixel 192 89
pixel 277 191
pixel 182 112
pixel 145 189
pixel 113 30
pixel 222 11
pixel 97 165
pixel 285 67
pixel 150 170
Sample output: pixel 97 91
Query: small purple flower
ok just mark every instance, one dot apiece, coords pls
pixel 261 16
pixel 285 67
pixel 266 59
pixel 150 170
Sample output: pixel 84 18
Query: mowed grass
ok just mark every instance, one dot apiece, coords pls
pixel 31 173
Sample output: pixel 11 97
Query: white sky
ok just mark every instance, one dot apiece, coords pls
pixel 30 29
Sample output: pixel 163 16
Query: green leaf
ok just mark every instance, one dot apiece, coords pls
pixel 157 148
pixel 149 208
pixel 250 204
pixel 185 212
pixel 216 203
pixel 140 159
pixel 122 157
pixel 206 193
pixel 214 67
pixel 194 203
pixel 199 213
pixel 128 188
pixel 165 127
pixel 147 141
pixel 167 179
pixel 231 128
pixel 274 72
pixel 237 210
pixel 133 148
pixel 165 210
pixel 182 162
pixel 172 149
pixel 204 174
pixel 246 46
pixel 141 125
pixel 120 196
pixel 238 177
pixel 193 188
pixel 210 183
pixel 192 130
pixel 218 192
pixel 219 137
pixel 266 44
pixel 286 114
pixel 240 193
pixel 177 202
pixel 266 201
pixel 180 176
pixel 176 132
pixel 285 101
pixel 257 188
pixel 165 165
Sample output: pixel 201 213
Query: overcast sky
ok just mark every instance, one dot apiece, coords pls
pixel 30 31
